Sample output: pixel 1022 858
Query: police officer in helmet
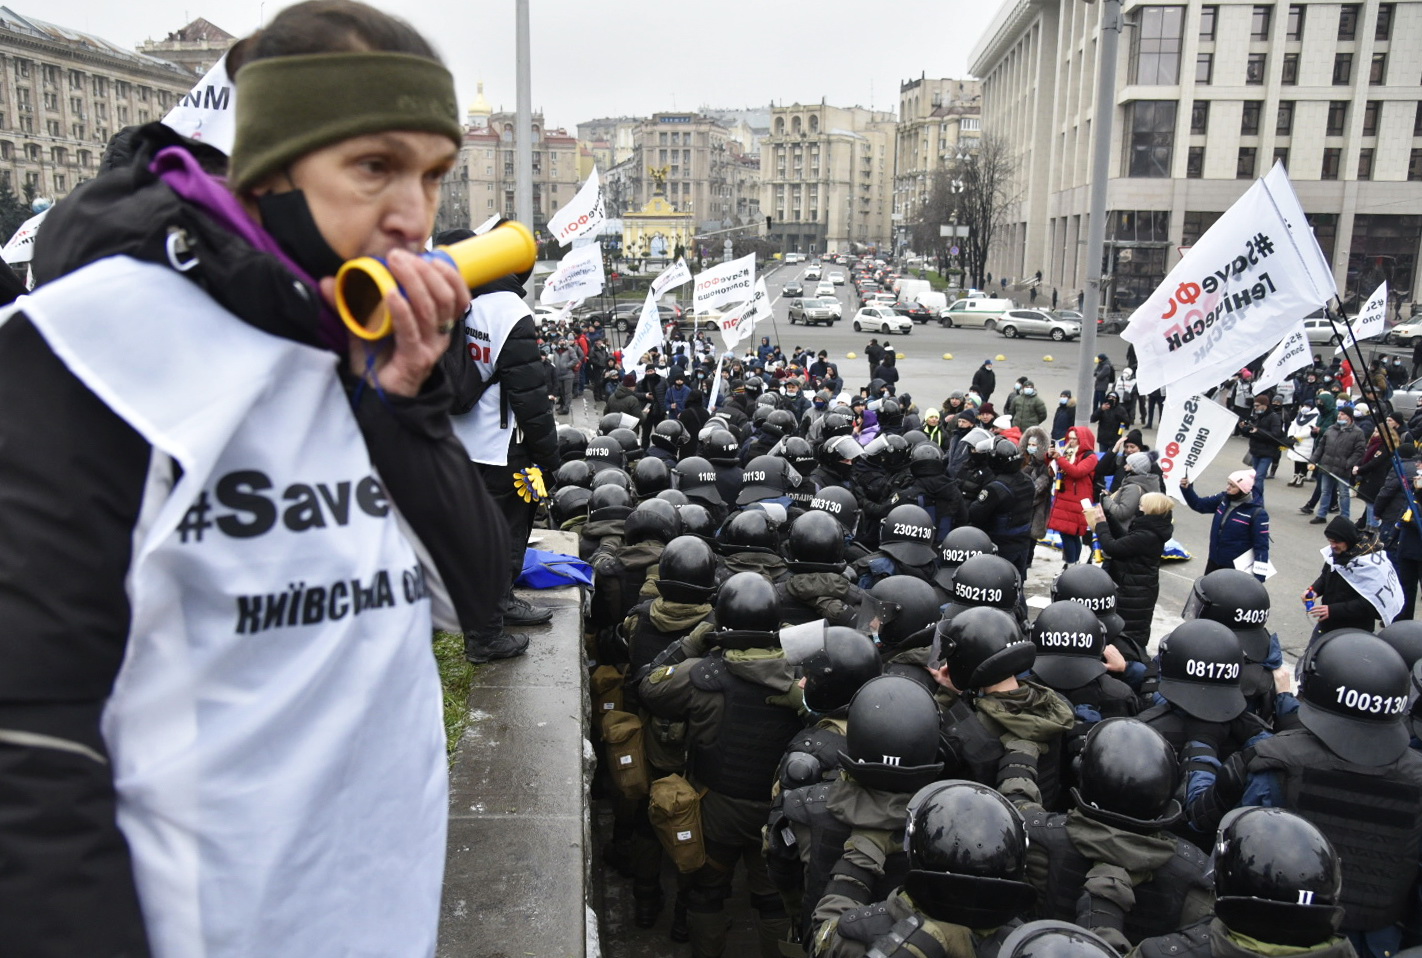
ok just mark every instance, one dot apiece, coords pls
pixel 816 587
pixel 1005 505
pixel 1200 666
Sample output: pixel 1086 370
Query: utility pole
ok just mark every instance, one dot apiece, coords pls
pixel 523 125
pixel 1096 226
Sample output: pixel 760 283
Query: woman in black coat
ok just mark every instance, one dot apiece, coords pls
pixel 1133 562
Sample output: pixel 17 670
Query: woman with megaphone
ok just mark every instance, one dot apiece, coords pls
pixel 233 519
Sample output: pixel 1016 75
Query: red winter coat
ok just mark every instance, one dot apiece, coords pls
pixel 1074 483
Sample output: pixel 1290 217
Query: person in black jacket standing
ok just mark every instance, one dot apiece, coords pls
pixel 1133 562
pixel 1264 429
pixel 985 381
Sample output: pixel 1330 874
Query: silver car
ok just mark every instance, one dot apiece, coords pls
pixel 1036 322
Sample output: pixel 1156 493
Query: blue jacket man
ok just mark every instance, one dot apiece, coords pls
pixel 1240 524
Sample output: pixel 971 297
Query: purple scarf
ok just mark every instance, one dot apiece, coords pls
pixel 176 167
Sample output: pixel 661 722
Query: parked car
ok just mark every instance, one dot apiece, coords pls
pixel 793 288
pixel 978 311
pixel 881 319
pixel 811 312
pixel 824 288
pixel 1036 322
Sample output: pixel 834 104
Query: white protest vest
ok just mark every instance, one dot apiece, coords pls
pixel 275 727
pixel 487 324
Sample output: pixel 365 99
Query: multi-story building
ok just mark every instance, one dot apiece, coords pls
pixel 1208 96
pixel 63 94
pixel 195 47
pixel 827 177
pixel 482 181
pixel 938 118
pixel 610 139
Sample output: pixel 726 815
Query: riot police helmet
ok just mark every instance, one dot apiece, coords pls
pixel 840 503
pixel 892 739
pixel 1092 586
pixel 780 422
pixel 1070 640
pixel 575 472
pixel 836 450
pixel 836 424
pixel 835 661
pixel 925 460
pixel 984 580
pixel 675 496
pixel 1050 938
pixel 1405 637
pixel 800 454
pixel 898 454
pixel 722 448
pixel 816 544
pixel 609 502
pixel 687 570
pixel 670 435
pixel 611 477
pixel 1006 457
pixel 615 420
pixel 696 520
pixel 1237 600
pixel 1200 664
pixel 747 613
pixel 761 413
pixel 571 443
pixel 916 438
pixel 958 546
pixel 1277 878
pixel 567 504
pixel 877 451
pixel 908 611
pixel 652 520
pixel 1353 692
pixel 906 534
pixel 604 452
pixel 981 647
pixel 696 477
pixel 765 477
pixel 650 476
pixel 1128 776
pixel 750 531
pixel 891 414
pixel 631 445
pixel 967 855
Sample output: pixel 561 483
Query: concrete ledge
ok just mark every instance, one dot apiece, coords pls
pixel 516 875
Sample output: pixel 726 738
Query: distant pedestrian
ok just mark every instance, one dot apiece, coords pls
pixel 1032 295
pixel 1054 300
pixel 985 381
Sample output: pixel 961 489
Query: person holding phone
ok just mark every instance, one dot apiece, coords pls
pixel 1075 463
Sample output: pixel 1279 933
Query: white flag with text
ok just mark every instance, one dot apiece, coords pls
pixel 583 215
pixel 1289 355
pixel 673 276
pixel 208 112
pixel 1192 432
pixel 729 282
pixel 21 247
pixel 648 333
pixel 578 276
pixel 738 324
pixel 1373 318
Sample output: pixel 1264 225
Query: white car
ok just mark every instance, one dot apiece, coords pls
pixel 793 258
pixel 837 277
pixel 833 304
pixel 881 319
pixel 1036 322
pixel 825 288
pixel 813 274
pixel 1404 334
pixel 1321 332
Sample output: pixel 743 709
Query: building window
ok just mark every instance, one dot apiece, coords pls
pixel 1281 155
pixel 1414 166
pixel 1370 117
pixel 1417 121
pixel 60 183
pixel 1332 160
pixel 76 80
pixel 1337 117
pixel 22 68
pixel 1195 163
pixel 1285 124
pixel 1254 69
pixel 1384 27
pixel 1249 119
pixel 1158 45
pixel 22 98
pixel 1259 23
pixel 1209 16
pixel 1152 137
pixel 83 156
pixel 1290 73
pixel 1294 29
pixel 1204 67
pixel 1365 163
pixel 1348 21
pixel 1200 117
pixel 1342 69
pixel 1377 72
pixel 101 86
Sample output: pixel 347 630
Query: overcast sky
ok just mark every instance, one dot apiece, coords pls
pixel 633 57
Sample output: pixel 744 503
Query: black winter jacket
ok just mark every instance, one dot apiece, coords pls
pixel 1133 561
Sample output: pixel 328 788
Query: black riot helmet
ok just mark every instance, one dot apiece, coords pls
pixel 696 520
pixel 571 443
pixel 611 477
pixel 1353 692
pixel 877 451
pixel 1128 776
pixel 1006 457
pixel 650 476
pixel 899 452
pixel 609 502
pixel 906 534
pixel 780 422
pixel 836 661
pixel 615 420
pixel 749 531
pixel 675 496
pixel 1237 600
pixel 916 437
pixel 908 611
pixel 926 459
pixel 892 741
pixel 567 504
pixel 631 445
pixel 747 613
pixel 765 477
pixel 687 571
pixel 816 544
pixel 652 520
pixel 967 855
pixel 1405 637
pixel 762 412
pixel 836 424
pixel 981 646
pixel 696 477
pixel 1050 938
pixel 1091 585
pixel 604 452
pixel 834 453
pixel 800 454
pixel 984 580
pixel 721 447
pixel 574 473
pixel 1070 640
pixel 891 414
pixel 670 435
pixel 840 503
pixel 958 546
pixel 1200 663
pixel 1277 878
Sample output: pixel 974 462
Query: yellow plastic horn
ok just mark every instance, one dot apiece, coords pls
pixel 362 284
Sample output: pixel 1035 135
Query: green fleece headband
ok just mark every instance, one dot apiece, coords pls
pixel 288 107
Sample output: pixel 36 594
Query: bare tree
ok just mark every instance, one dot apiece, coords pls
pixel 937 210
pixel 988 190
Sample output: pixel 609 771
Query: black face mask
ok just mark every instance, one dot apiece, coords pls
pixel 287 217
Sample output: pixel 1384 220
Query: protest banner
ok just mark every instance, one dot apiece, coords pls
pixel 648 334
pixel 208 112
pixel 729 282
pixel 739 323
pixel 578 276
pixel 1192 432
pixel 21 247
pixel 673 276
pixel 1289 355
pixel 1370 322
pixel 583 215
